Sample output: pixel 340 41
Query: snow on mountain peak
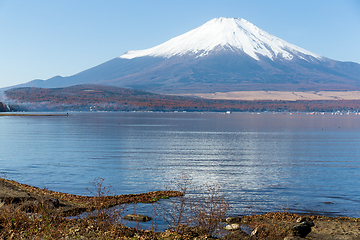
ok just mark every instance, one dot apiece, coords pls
pixel 224 33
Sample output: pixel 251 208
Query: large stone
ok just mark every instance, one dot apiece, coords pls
pixel 302 229
pixel 231 220
pixel 137 217
pixel 232 227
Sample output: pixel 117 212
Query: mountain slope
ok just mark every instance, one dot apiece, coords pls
pixel 224 33
pixel 224 54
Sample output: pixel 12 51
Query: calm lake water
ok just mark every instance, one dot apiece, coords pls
pixel 265 162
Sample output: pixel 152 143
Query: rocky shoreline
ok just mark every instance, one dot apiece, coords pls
pixel 21 204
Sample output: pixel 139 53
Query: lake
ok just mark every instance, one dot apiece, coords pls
pixel 300 163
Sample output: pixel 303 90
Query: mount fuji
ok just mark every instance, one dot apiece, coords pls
pixel 222 55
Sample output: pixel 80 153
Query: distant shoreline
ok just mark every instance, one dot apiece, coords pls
pixel 34 114
pixel 106 98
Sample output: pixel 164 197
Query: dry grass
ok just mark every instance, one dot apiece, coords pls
pixel 20 225
pixel 194 213
pixel 43 222
pixel 201 209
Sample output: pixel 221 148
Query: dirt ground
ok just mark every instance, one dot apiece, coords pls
pixel 24 197
pixel 335 229
pixel 325 227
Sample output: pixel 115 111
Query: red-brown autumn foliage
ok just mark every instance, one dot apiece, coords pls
pixel 84 97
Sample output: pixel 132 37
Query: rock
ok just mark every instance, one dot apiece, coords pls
pixel 137 218
pixel 232 227
pixel 254 232
pixel 303 219
pixel 302 229
pixel 231 220
pixel 52 203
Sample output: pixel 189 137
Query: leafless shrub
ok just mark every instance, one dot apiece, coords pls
pixel 154 224
pixel 112 215
pixel 99 189
pixel 177 210
pixel 209 209
pixel 199 208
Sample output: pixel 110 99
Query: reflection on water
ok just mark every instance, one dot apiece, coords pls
pixel 266 162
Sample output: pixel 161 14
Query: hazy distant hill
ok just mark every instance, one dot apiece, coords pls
pixel 96 98
pixel 223 55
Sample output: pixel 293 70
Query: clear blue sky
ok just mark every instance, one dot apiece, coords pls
pixel 43 38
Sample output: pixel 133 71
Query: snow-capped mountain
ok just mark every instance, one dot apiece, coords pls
pixel 224 54
pixel 224 34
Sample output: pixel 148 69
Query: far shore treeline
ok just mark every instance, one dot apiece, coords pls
pixel 106 98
